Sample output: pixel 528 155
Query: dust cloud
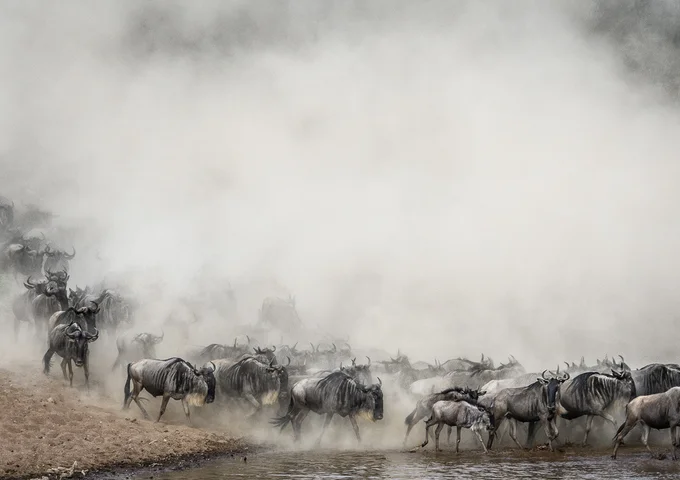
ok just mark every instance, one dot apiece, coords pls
pixel 444 178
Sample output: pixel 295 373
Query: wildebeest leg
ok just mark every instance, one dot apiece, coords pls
pixel 137 389
pixel 589 425
pixel 550 431
pixel 253 401
pixel 674 442
pixel 164 403
pixel 436 437
pixel 185 406
pixel 458 429
pixel 645 436
pixel 353 421
pixel 448 434
pixel 63 368
pixel 297 424
pixel 46 360
pixel 86 371
pixel 329 417
pixel 481 440
pixel 513 432
pixel 492 433
pixel 70 372
pixel 624 430
pixel 531 434
pixel 428 424
pixel 409 425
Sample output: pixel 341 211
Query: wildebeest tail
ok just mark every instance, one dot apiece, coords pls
pixel 623 425
pixel 126 389
pixel 284 420
pixel 409 419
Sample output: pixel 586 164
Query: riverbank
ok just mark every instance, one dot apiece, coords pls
pixel 47 429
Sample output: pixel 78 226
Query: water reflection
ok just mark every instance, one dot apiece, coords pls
pixel 400 465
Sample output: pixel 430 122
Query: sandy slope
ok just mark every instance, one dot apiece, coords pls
pixel 45 425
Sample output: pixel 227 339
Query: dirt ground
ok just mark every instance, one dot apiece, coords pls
pixel 46 427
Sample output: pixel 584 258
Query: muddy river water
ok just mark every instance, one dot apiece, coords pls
pixel 428 465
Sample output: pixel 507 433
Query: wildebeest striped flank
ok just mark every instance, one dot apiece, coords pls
pixel 334 394
pixel 171 378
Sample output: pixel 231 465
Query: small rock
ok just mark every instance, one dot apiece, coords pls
pixel 51 400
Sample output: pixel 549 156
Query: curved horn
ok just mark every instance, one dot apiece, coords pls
pixel 369 360
pixel 213 365
pixel 293 347
pixel 248 339
pixel 379 381
pixel 621 357
pixel 543 375
pixel 70 256
pixel 95 336
pixel 567 364
pixel 335 349
pixel 273 348
pixel 235 338
pixel 288 361
pixel 354 361
pixel 312 347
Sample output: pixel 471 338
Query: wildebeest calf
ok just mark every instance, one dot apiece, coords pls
pixel 658 411
pixel 459 414
pixel 172 378
pixel 424 406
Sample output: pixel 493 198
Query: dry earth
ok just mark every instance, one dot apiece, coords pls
pixel 45 427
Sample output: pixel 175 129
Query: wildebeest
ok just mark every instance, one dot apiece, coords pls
pixel 171 378
pixel 136 346
pixel 51 300
pixel 57 260
pixel 593 394
pixel 655 378
pixel 70 342
pixel 459 414
pixel 424 405
pixel 657 411
pixel 256 382
pixel 334 394
pixel 22 305
pixel 534 403
pixel 216 351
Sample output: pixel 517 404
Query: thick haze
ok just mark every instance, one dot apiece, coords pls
pixel 444 177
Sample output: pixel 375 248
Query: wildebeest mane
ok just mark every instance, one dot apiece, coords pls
pixel 342 390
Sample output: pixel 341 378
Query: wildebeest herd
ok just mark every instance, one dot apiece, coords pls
pixel 285 382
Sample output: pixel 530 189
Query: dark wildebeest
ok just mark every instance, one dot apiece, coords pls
pixel 50 301
pixel 172 378
pixel 257 382
pixel 57 260
pixel 424 405
pixel 459 414
pixel 657 411
pixel 333 394
pixel 593 394
pixel 113 311
pixel 534 403
pixel 22 305
pixel 70 342
pixel 136 346
pixel 655 378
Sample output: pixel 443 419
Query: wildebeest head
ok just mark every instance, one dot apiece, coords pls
pixel 89 314
pixel 626 377
pixel 551 387
pixel 79 340
pixel 361 373
pixel 208 374
pixel 266 353
pixel 376 399
pixel 487 420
